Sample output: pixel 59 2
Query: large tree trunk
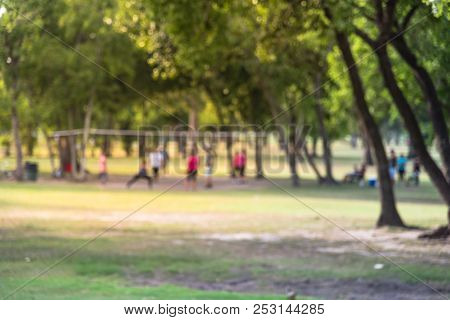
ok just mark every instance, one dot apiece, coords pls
pixel 314 147
pixel 435 106
pixel 411 124
pixel 389 214
pixel 368 159
pixel 16 134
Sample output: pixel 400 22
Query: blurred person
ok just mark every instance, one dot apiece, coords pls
pixel 192 169
pixel 242 162
pixel 415 176
pixel 103 172
pixel 142 174
pixel 401 166
pixel 156 161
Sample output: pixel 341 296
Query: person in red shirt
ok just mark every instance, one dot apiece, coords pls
pixel 236 161
pixel 192 167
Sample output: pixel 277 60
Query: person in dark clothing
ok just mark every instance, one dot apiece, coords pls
pixel 414 178
pixel 142 174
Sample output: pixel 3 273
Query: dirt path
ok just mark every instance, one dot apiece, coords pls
pixel 361 289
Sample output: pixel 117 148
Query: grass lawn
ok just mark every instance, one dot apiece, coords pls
pixel 232 242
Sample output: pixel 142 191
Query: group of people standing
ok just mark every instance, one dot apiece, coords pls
pixel 398 165
pixel 159 158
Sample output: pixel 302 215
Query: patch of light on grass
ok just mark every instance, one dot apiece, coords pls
pixel 2 11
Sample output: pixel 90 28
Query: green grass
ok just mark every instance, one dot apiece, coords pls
pixel 75 288
pixel 172 248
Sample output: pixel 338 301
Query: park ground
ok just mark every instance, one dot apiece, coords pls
pixel 251 241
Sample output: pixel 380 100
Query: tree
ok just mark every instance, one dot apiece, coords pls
pixel 389 214
pixel 385 19
pixel 427 86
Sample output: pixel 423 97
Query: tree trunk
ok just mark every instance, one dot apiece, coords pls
pixel 64 153
pixel 229 147
pixel 368 159
pixel 435 108
pixel 85 138
pixel 258 156
pixel 193 124
pixel 51 154
pixel 312 163
pixel 16 134
pixel 30 141
pixel 72 145
pixel 314 147
pixel 292 149
pixel 410 121
pixel 327 157
pixel 389 214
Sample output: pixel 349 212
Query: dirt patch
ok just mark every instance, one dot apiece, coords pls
pixel 359 289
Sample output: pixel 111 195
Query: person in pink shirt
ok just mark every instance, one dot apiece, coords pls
pixel 192 168
pixel 236 162
pixel 242 161
pixel 103 172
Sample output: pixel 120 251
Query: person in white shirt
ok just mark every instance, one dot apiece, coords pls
pixel 156 161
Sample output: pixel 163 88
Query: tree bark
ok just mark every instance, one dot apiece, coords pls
pixel 51 154
pixel 16 133
pixel 368 160
pixel 435 108
pixel 314 147
pixel 389 215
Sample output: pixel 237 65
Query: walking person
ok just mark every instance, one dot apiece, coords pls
pixel 103 172
pixel 156 161
pixel 142 174
pixel 192 170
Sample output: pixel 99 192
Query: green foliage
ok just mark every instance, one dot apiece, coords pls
pixel 144 62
